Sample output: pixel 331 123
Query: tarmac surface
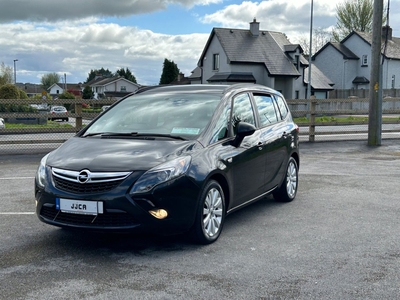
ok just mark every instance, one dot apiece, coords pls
pixel 339 239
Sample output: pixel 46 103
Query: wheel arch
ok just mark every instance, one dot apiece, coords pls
pixel 224 185
pixel 296 157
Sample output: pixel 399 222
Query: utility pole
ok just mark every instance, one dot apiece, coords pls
pixel 375 86
pixel 310 54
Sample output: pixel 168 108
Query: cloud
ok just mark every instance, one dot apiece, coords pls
pixel 290 17
pixel 54 11
pixel 77 49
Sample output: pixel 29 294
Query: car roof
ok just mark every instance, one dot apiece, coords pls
pixel 205 88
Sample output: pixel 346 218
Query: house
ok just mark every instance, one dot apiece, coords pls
pixel 259 56
pixel 181 79
pixel 31 89
pixel 348 63
pixel 112 87
pixel 58 88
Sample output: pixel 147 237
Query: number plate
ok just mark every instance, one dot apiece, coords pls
pixel 79 206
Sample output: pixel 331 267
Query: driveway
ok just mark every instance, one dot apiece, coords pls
pixel 339 239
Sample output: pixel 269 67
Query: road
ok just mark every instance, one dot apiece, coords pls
pixel 339 239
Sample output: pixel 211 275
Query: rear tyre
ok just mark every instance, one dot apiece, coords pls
pixel 210 215
pixel 288 190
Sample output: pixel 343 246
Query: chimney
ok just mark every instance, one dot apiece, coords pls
pixel 255 28
pixel 387 31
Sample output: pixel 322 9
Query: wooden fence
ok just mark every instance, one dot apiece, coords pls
pixel 315 117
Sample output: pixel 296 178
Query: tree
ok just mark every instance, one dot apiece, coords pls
pixel 319 39
pixel 170 72
pixel 6 74
pixel 9 91
pixel 126 74
pixel 48 80
pixel 66 95
pixel 100 72
pixel 353 15
pixel 22 94
pixel 87 93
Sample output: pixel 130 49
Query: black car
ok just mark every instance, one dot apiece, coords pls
pixel 172 159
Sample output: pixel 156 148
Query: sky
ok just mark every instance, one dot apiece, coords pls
pixel 76 36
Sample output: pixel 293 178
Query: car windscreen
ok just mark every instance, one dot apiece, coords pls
pixel 170 114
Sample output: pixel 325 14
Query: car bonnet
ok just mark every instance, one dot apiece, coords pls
pixel 97 154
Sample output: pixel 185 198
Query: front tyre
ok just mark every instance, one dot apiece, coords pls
pixel 288 189
pixel 210 215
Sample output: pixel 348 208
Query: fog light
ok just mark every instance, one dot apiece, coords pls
pixel 159 213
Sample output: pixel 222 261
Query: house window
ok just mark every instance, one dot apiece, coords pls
pixel 58 92
pixel 215 62
pixel 297 94
pixel 297 62
pixel 123 88
pixel 364 61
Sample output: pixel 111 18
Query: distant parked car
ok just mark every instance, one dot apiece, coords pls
pixel 55 110
pixel 2 123
pixel 105 107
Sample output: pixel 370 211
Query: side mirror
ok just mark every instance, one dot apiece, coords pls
pixel 244 129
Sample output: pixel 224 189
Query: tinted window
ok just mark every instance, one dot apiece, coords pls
pixel 220 130
pixel 266 109
pixel 242 110
pixel 282 106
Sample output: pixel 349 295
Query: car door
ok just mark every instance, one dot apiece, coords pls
pixel 247 162
pixel 273 137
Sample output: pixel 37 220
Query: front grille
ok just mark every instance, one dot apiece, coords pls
pixel 86 182
pixel 108 219
pixel 87 188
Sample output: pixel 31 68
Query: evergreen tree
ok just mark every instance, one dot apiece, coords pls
pixel 87 93
pixel 170 72
pixel 102 72
pixel 127 74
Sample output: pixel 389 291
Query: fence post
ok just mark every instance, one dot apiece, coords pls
pixel 311 130
pixel 78 113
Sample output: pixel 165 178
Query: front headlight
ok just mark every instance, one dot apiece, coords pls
pixel 41 172
pixel 162 173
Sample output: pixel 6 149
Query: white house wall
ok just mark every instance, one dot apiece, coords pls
pixel 359 47
pixel 391 68
pixel 54 89
pixel 116 86
pixel 214 48
pixel 330 62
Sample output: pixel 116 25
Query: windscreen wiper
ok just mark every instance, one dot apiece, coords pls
pixel 133 135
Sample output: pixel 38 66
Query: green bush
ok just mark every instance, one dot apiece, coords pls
pixel 16 108
pixel 9 91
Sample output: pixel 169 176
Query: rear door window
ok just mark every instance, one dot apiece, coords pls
pixel 266 109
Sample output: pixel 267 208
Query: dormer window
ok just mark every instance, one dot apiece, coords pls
pixel 216 62
pixel 364 61
pixel 297 62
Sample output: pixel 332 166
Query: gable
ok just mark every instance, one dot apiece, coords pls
pixel 240 46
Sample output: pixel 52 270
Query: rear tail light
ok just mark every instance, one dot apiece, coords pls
pixel 297 128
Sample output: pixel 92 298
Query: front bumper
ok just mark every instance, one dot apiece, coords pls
pixel 122 212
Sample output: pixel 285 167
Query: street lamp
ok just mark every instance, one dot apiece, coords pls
pixel 15 72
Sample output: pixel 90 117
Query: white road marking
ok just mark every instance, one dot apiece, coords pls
pixel 17 213
pixel 13 178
